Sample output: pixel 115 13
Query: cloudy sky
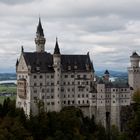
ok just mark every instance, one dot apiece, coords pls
pixel 108 29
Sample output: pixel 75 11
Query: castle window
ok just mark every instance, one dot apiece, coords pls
pixel 83 101
pixel 68 102
pixel 73 102
pixel 52 103
pixel 68 95
pixel 64 83
pixel 87 89
pixel 43 97
pixel 58 82
pixel 72 95
pixel 48 103
pixel 40 76
pixel 93 96
pixel 52 76
pixel 52 96
pixel 72 76
pixel 64 96
pixel 87 101
pixel 62 89
pixel 66 76
pixel 68 90
pixel 87 95
pixel 79 95
pixel 113 101
pixel 72 89
pixel 35 91
pixel 47 89
pixel 68 83
pixel 83 95
pixel 35 84
pixel 78 102
pixel 64 102
pixel 72 83
pixel 87 82
pixel 78 83
pixel 52 84
pixel 52 90
pixel 78 76
pixel 42 90
pixel 81 89
pixel 40 84
pixel 47 76
pixel 84 76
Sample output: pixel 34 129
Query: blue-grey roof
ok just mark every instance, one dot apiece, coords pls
pixel 44 61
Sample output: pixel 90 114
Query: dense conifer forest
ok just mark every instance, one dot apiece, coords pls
pixel 68 124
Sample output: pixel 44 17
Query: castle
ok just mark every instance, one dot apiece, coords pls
pixel 60 80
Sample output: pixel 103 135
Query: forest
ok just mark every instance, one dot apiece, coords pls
pixel 68 124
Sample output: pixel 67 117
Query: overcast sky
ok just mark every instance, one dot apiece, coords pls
pixel 108 29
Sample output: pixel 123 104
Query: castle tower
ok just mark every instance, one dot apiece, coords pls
pixel 40 40
pixel 106 76
pixel 134 72
pixel 57 76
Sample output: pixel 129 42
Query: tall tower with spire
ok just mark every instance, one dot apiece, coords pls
pixel 40 39
pixel 57 76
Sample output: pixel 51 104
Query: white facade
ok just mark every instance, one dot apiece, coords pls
pixel 57 81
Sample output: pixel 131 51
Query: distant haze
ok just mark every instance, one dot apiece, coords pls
pixel 108 29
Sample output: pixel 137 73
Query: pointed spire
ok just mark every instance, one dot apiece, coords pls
pixel 40 29
pixel 22 49
pixel 17 62
pixel 56 49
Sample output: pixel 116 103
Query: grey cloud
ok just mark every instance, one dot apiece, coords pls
pixel 13 2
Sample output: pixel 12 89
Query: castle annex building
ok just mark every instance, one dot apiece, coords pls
pixel 60 80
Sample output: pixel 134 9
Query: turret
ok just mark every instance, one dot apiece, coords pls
pixel 57 76
pixel 106 76
pixel 134 59
pixel 40 40
pixel 134 72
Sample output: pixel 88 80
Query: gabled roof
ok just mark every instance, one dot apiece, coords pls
pixel 44 62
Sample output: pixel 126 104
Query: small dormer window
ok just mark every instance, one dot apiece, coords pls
pixel 69 67
pixel 38 68
pixel 75 67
